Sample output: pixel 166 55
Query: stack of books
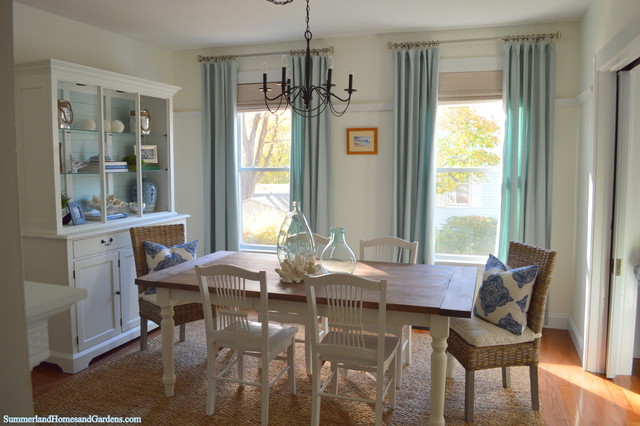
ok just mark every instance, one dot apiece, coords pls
pixel 109 167
pixel 95 215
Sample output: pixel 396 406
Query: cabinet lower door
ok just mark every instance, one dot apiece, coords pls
pixel 129 291
pixel 98 316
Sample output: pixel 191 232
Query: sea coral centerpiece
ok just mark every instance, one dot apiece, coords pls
pixel 113 204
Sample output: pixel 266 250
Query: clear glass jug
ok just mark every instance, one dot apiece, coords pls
pixel 337 255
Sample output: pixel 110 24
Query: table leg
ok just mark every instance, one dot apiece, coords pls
pixel 439 334
pixel 167 325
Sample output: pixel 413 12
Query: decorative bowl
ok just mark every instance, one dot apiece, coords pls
pixel 133 206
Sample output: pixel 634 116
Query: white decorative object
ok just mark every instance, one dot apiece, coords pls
pixel 133 206
pixel 76 165
pixel 88 124
pixel 117 126
pixel 113 203
pixel 107 126
pixel 294 270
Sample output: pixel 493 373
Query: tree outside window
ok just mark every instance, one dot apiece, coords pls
pixel 469 144
pixel 265 146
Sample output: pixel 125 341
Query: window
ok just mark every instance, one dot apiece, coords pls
pixel 264 142
pixel 469 135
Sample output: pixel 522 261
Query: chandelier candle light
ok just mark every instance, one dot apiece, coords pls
pixel 315 98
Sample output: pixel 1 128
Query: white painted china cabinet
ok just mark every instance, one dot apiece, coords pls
pixel 95 136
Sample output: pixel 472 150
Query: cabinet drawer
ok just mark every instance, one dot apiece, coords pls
pixel 101 244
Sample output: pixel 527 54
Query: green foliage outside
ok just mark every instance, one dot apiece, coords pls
pixel 260 223
pixel 468 140
pixel 472 235
pixel 267 235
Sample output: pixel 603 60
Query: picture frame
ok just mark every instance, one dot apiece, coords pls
pixel 362 141
pixel 149 153
pixel 77 216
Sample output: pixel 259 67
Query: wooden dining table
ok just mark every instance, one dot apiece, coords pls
pixel 419 295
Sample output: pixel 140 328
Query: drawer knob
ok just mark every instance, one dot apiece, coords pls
pixel 107 243
pixel 118 293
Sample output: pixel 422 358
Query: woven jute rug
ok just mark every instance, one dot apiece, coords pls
pixel 131 386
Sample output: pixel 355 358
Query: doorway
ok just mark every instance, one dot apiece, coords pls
pixel 623 344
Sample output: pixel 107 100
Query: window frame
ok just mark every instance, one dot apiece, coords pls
pixel 468 65
pixel 242 246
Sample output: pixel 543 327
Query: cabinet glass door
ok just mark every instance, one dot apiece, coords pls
pixel 154 153
pixel 78 141
pixel 119 154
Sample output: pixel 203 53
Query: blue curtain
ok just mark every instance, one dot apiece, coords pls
pixel 222 226
pixel 311 152
pixel 415 105
pixel 529 101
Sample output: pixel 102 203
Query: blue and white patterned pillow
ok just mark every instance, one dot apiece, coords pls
pixel 160 257
pixel 505 295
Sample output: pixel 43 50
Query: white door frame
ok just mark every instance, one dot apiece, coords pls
pixel 618 53
pixel 623 289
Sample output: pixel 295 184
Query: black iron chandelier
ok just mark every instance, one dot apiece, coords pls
pixel 315 99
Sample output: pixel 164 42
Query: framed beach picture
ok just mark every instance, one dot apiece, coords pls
pixel 149 153
pixel 362 141
pixel 77 216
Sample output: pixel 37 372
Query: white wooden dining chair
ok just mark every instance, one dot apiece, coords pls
pixel 295 318
pixel 346 345
pixel 232 329
pixel 397 250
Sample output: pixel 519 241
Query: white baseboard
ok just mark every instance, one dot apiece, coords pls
pixel 558 321
pixel 576 338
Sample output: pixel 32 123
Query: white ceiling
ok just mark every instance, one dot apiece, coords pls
pixel 195 24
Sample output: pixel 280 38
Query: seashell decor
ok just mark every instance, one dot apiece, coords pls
pixel 88 124
pixel 113 203
pixel 117 126
pixel 107 125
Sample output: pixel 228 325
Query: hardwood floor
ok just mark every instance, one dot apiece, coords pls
pixel 568 394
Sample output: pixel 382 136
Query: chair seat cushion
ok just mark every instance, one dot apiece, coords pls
pixel 481 333
pixel 505 295
pixel 332 348
pixel 236 336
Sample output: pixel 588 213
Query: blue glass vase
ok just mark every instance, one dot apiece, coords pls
pixel 337 256
pixel 149 194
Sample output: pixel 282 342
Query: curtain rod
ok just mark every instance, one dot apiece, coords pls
pixel 433 43
pixel 321 51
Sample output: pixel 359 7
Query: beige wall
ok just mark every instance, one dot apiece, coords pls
pixel 15 385
pixel 40 35
pixel 362 184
